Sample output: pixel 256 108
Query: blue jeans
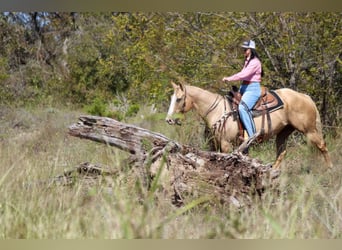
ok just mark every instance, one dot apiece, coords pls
pixel 250 95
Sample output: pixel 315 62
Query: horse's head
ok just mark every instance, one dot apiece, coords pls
pixel 180 103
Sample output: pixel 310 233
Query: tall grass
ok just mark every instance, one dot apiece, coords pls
pixel 35 147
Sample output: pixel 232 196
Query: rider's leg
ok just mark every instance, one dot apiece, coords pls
pixel 250 96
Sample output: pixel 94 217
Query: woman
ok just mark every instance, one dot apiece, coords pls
pixel 250 88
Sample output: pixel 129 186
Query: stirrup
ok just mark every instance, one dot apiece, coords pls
pixel 248 142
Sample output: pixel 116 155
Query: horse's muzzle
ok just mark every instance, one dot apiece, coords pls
pixel 171 121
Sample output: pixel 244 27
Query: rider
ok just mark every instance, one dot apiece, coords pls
pixel 250 89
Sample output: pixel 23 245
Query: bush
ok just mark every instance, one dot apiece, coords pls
pixel 97 107
pixel 132 110
pixel 119 112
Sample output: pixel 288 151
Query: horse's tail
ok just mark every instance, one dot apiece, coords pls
pixel 318 117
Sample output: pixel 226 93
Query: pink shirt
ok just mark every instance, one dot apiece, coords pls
pixel 251 72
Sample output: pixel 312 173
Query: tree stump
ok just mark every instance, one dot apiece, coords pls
pixel 183 171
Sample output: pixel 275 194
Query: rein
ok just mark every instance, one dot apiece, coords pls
pixel 213 106
pixel 220 123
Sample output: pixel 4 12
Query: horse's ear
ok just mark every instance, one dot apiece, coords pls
pixel 174 85
pixel 181 86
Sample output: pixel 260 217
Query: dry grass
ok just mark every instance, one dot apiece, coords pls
pixel 35 147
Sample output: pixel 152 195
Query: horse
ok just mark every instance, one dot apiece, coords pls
pixel 299 112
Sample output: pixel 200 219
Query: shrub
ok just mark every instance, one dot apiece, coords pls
pixel 97 107
pixel 132 110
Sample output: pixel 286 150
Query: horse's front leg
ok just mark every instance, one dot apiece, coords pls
pixel 226 146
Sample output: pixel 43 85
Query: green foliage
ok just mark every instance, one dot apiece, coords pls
pixel 3 69
pixel 97 107
pixel 77 57
pixel 116 110
pixel 133 110
pixel 96 69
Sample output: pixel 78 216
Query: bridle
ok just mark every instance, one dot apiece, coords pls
pixel 184 102
pixel 211 108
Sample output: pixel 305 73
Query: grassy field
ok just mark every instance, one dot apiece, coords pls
pixel 35 147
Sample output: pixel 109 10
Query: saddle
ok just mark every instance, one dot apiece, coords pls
pixel 268 102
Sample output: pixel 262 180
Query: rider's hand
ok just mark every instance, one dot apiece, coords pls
pixel 225 79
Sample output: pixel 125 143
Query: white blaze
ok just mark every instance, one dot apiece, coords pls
pixel 172 105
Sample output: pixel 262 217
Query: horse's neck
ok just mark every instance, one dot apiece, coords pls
pixel 208 105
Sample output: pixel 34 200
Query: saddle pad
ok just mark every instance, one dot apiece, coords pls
pixel 276 104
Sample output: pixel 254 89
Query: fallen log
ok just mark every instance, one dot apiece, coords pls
pixel 183 171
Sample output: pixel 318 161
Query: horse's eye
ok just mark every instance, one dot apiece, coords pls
pixel 178 99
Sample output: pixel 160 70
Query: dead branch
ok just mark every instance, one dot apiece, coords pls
pixel 186 171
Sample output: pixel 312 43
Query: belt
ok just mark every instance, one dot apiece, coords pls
pixel 248 82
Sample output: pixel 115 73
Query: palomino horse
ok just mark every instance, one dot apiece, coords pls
pixel 298 113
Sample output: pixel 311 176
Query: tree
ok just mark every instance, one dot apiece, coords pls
pixel 83 56
pixel 301 51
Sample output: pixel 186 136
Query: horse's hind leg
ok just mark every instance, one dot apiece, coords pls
pixel 318 141
pixel 282 138
pixel 281 144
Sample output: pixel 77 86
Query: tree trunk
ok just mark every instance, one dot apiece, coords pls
pixel 183 171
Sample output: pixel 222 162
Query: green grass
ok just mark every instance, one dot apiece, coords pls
pixel 35 147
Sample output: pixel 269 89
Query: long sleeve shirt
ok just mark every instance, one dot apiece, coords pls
pixel 250 72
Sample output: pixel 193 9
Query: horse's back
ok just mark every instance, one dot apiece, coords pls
pixel 295 100
pixel 299 109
